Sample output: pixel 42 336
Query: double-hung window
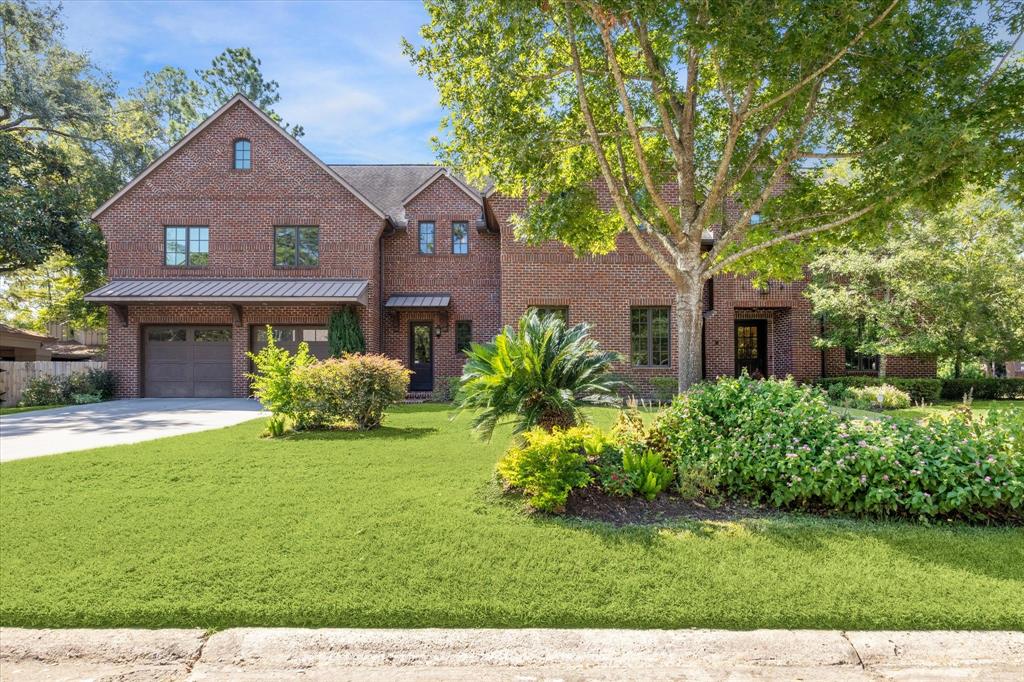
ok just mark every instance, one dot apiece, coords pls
pixel 460 238
pixel 427 237
pixel 649 341
pixel 186 246
pixel 296 247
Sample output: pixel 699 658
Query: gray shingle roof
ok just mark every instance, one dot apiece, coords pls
pixel 230 290
pixel 418 301
pixel 386 185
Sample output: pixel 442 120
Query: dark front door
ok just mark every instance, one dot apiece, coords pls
pixel 421 356
pixel 752 348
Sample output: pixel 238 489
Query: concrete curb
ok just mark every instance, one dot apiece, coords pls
pixel 534 654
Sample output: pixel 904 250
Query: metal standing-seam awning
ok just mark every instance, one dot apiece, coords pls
pixel 234 292
pixel 418 301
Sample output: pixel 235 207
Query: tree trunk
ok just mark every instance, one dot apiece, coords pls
pixel 689 334
pixel 957 366
pixel 883 361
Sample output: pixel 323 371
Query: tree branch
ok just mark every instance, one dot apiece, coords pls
pixel 666 211
pixel 830 63
pixel 717 189
pixel 602 160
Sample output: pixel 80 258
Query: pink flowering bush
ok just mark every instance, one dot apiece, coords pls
pixel 779 443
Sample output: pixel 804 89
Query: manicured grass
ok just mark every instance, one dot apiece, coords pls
pixel 979 407
pixel 405 527
pixel 16 410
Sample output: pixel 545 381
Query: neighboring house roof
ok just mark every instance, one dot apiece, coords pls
pixel 202 126
pixel 24 334
pixel 72 350
pixel 392 186
pixel 230 291
pixel 419 301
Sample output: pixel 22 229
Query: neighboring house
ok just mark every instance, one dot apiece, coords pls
pixel 239 226
pixel 22 345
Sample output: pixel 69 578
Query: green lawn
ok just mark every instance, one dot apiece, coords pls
pixel 16 410
pixel 980 407
pixel 406 528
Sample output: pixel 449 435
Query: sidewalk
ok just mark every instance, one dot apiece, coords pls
pixel 463 655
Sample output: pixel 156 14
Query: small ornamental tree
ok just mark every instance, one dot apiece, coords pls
pixel 817 118
pixel 344 334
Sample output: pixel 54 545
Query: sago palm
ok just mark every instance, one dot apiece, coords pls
pixel 539 373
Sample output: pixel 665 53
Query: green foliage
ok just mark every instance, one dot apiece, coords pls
pixel 90 386
pixel 867 398
pixel 549 464
pixel 947 283
pixel 538 373
pixel 779 443
pixel 920 390
pixel 277 425
pixel 665 388
pixel 344 334
pixel 646 471
pixel 273 382
pixel 988 388
pixel 354 390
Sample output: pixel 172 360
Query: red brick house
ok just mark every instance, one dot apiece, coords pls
pixel 239 226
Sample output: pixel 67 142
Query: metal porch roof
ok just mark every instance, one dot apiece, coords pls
pixel 231 291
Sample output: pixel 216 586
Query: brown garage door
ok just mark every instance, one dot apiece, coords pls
pixel 290 336
pixel 187 362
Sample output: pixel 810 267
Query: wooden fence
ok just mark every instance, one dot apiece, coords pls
pixel 89 337
pixel 15 375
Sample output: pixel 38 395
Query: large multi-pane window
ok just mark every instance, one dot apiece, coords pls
pixel 649 337
pixel 186 246
pixel 243 155
pixel 463 335
pixel 460 238
pixel 296 246
pixel 427 237
pixel 559 311
pixel 858 362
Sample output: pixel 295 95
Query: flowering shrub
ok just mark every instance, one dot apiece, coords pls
pixel 551 463
pixel 867 398
pixel 777 442
pixel 920 390
pixel 354 390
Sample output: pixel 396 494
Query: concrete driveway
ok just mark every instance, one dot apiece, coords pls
pixel 81 427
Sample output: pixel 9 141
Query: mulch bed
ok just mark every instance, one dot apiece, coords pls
pixel 593 504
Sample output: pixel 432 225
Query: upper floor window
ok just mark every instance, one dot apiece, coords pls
pixel 463 335
pixel 186 246
pixel 649 344
pixel 460 238
pixel 296 247
pixel 243 155
pixel 755 218
pixel 560 312
pixel 427 237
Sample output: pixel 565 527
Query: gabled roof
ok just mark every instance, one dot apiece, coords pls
pixel 392 186
pixel 237 99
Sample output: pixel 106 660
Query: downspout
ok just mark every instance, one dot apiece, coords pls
pixel 822 332
pixel 380 290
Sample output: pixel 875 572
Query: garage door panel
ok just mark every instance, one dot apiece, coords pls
pixel 289 337
pixel 185 362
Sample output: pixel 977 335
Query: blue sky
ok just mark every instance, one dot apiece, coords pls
pixel 340 66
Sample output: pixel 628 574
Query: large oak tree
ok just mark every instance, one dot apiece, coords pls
pixel 820 119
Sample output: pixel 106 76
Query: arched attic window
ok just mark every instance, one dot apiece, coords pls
pixel 243 155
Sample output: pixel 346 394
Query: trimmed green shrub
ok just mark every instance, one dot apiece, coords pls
pixel 344 334
pixel 272 382
pixel 988 388
pixel 354 390
pixel 779 443
pixel 46 390
pixel 920 390
pixel 95 382
pixel 867 398
pixel 665 388
pixel 549 464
